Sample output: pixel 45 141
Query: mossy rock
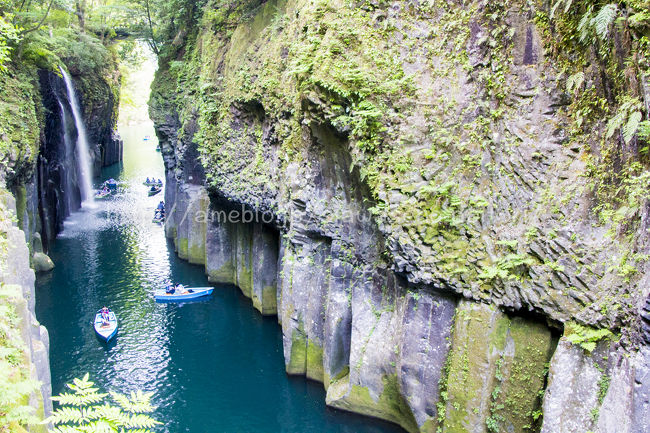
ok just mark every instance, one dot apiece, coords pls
pixel 390 404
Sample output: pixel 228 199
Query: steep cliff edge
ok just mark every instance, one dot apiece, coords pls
pixel 428 196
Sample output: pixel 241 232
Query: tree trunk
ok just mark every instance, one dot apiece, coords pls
pixel 80 11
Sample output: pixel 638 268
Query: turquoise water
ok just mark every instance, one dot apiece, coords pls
pixel 213 366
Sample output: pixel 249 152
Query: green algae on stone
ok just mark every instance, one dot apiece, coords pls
pixel 268 303
pixel 224 274
pixel 182 247
pixel 521 376
pixel 390 405
pixel 297 362
pixel 315 370
pixel 496 370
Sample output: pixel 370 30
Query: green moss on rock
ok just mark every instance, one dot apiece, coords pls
pixel 297 362
pixel 496 370
pixel 390 404
pixel 315 370
pixel 224 274
pixel 182 247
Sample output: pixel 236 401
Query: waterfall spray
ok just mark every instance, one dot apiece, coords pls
pixel 83 152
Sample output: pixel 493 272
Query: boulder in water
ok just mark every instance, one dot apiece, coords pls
pixel 42 263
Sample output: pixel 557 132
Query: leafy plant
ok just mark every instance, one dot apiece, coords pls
pixel 85 410
pixel 604 19
pixel 585 336
pixel 627 119
pixel 15 383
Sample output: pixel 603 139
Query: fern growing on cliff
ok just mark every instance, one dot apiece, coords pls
pixel 627 120
pixel 604 19
pixel 85 409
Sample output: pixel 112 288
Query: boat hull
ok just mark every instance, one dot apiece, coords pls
pixel 196 292
pixel 105 333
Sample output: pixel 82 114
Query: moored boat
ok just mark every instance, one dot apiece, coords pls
pixel 181 293
pixel 105 327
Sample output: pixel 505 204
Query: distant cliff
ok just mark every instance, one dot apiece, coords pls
pixel 449 202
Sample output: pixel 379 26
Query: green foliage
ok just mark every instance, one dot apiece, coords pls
pixel 9 37
pixel 575 82
pixel 584 336
pixel 85 409
pixel 604 19
pixel 507 267
pixel 15 383
pixel 627 119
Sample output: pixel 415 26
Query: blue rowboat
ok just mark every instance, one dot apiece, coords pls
pixel 105 329
pixel 182 294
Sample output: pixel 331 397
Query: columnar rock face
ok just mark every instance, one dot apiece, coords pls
pixel 606 391
pixel 423 209
pixel 17 280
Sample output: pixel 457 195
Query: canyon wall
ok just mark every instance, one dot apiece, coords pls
pixel 406 186
pixel 41 168
pixel 40 186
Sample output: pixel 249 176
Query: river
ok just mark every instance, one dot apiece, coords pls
pixel 213 366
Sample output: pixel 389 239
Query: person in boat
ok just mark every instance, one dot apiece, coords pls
pixel 161 206
pixel 147 181
pixel 104 312
pixel 181 289
pixel 153 188
pixel 169 289
pixel 159 182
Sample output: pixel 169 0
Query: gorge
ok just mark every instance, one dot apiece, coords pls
pixel 443 205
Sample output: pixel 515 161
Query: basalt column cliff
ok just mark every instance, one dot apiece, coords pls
pixel 445 204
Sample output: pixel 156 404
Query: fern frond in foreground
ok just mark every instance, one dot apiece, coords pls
pixel 84 409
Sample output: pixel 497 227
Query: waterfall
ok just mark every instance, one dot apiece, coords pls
pixel 83 153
